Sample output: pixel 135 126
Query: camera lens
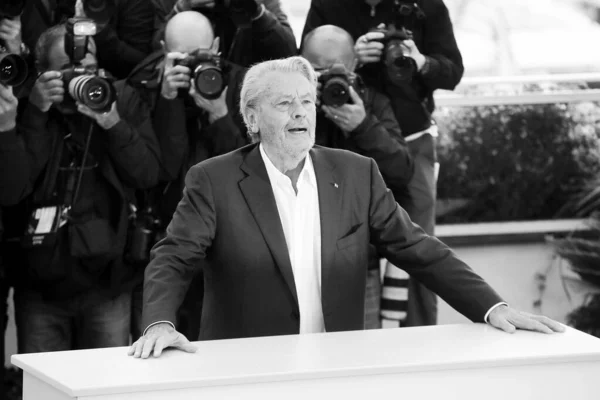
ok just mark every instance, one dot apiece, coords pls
pixel 335 92
pixel 13 69
pixel 209 81
pixel 92 91
pixel 399 67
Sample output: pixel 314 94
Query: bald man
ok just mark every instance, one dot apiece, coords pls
pixel 190 129
pixel 366 126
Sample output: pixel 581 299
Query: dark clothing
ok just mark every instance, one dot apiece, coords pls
pixel 14 169
pixel 122 44
pixel 434 37
pixel 378 137
pixel 186 138
pixel 229 204
pixel 89 250
pixel 90 320
pixel 269 37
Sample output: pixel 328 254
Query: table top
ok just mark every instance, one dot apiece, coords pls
pixel 281 358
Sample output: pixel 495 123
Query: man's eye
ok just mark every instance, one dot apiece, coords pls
pixel 307 102
pixel 285 103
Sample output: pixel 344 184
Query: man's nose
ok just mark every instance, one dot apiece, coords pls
pixel 298 111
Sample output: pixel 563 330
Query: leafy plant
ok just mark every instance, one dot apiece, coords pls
pixel 517 162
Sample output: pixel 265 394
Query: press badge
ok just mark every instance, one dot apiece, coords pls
pixel 43 224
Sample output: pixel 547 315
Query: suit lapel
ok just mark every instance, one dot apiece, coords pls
pixel 256 189
pixel 330 203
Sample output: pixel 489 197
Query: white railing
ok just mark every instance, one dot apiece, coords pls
pixel 451 99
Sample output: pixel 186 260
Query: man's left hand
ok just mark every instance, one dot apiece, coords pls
pixel 509 320
pixel 216 108
pixel 105 120
pixel 349 116
pixel 411 50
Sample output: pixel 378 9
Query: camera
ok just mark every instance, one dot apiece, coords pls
pixel 13 67
pixel 335 85
pixel 399 67
pixel 207 74
pixel 100 11
pixel 82 84
pixel 11 8
pixel 143 233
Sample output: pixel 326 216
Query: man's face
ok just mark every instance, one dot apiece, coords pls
pixel 59 60
pixel 286 114
pixel 323 55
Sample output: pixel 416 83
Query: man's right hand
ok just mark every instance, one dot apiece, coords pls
pixel 8 109
pixel 368 47
pixel 48 89
pixel 157 338
pixel 175 77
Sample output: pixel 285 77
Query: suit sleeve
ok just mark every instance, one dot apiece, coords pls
pixel 444 67
pixel 379 137
pixel 174 258
pixel 424 257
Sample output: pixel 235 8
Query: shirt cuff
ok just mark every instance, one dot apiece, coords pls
pixel 156 323
pixel 487 314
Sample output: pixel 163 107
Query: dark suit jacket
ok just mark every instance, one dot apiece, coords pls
pixel 229 217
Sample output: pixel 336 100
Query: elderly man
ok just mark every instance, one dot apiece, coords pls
pixel 284 229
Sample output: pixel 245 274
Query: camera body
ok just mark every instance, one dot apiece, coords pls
pixel 144 232
pixel 13 68
pixel 92 88
pixel 335 85
pixel 207 74
pixel 399 67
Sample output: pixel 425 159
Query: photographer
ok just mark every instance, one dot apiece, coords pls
pixel 250 30
pixel 194 121
pixel 365 124
pixel 433 61
pixel 91 144
pixel 125 28
pixel 14 53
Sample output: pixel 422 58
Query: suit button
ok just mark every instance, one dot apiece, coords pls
pixel 295 314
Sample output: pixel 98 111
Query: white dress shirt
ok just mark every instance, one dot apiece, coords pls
pixel 300 219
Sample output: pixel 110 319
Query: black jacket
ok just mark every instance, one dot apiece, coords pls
pixel 434 36
pixel 269 37
pixel 378 137
pixel 89 251
pixel 14 168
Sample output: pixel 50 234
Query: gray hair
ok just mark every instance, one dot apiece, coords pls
pixel 253 87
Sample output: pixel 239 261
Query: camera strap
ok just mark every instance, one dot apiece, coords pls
pixel 73 187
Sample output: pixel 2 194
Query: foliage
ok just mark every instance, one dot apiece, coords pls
pixel 582 251
pixel 516 162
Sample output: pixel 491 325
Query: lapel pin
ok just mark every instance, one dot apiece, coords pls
pixel 335 185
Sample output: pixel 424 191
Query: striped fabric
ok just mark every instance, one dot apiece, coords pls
pixel 394 297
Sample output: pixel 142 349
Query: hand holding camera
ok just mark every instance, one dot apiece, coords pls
pixel 216 108
pixel 47 90
pixel 348 116
pixel 175 77
pixel 105 120
pixel 8 109
pixel 10 34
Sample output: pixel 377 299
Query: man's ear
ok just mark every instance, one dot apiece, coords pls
pixel 354 64
pixel 253 120
pixel 215 45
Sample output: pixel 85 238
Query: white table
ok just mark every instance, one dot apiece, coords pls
pixel 470 361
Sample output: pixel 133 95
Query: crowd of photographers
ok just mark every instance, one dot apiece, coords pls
pixel 105 105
